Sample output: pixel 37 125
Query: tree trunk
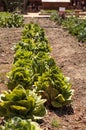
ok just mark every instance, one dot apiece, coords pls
pixel 5 5
pixel 25 6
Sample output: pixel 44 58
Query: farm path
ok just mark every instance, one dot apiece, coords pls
pixel 70 56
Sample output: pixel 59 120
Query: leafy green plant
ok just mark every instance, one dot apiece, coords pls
pixel 55 123
pixel 11 20
pixel 42 62
pixel 22 103
pixel 69 22
pixel 76 27
pixel 22 54
pixel 27 67
pixel 17 20
pixel 33 39
pixel 35 47
pixel 56 18
pixel 55 87
pixel 20 75
pixel 17 123
pixel 82 35
pixel 35 33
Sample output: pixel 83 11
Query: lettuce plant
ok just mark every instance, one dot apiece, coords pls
pixel 22 54
pixel 17 123
pixel 33 31
pixel 55 87
pixel 22 103
pixel 20 75
pixel 34 35
pixel 35 47
pixel 27 67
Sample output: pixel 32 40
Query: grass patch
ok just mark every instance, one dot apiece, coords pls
pixel 55 123
pixel 47 11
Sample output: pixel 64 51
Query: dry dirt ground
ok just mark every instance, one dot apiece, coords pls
pixel 70 56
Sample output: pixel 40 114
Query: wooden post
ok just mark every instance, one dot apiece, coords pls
pixel 62 12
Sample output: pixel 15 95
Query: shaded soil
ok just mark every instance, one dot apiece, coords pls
pixel 70 56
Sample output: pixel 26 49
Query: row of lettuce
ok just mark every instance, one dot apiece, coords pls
pixel 34 82
pixel 75 25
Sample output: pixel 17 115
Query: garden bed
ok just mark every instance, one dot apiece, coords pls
pixel 70 56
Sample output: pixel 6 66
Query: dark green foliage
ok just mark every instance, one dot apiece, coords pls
pixel 77 27
pixel 82 35
pixel 70 22
pixel 74 25
pixel 13 5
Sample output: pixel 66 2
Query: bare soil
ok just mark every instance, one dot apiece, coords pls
pixel 70 56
